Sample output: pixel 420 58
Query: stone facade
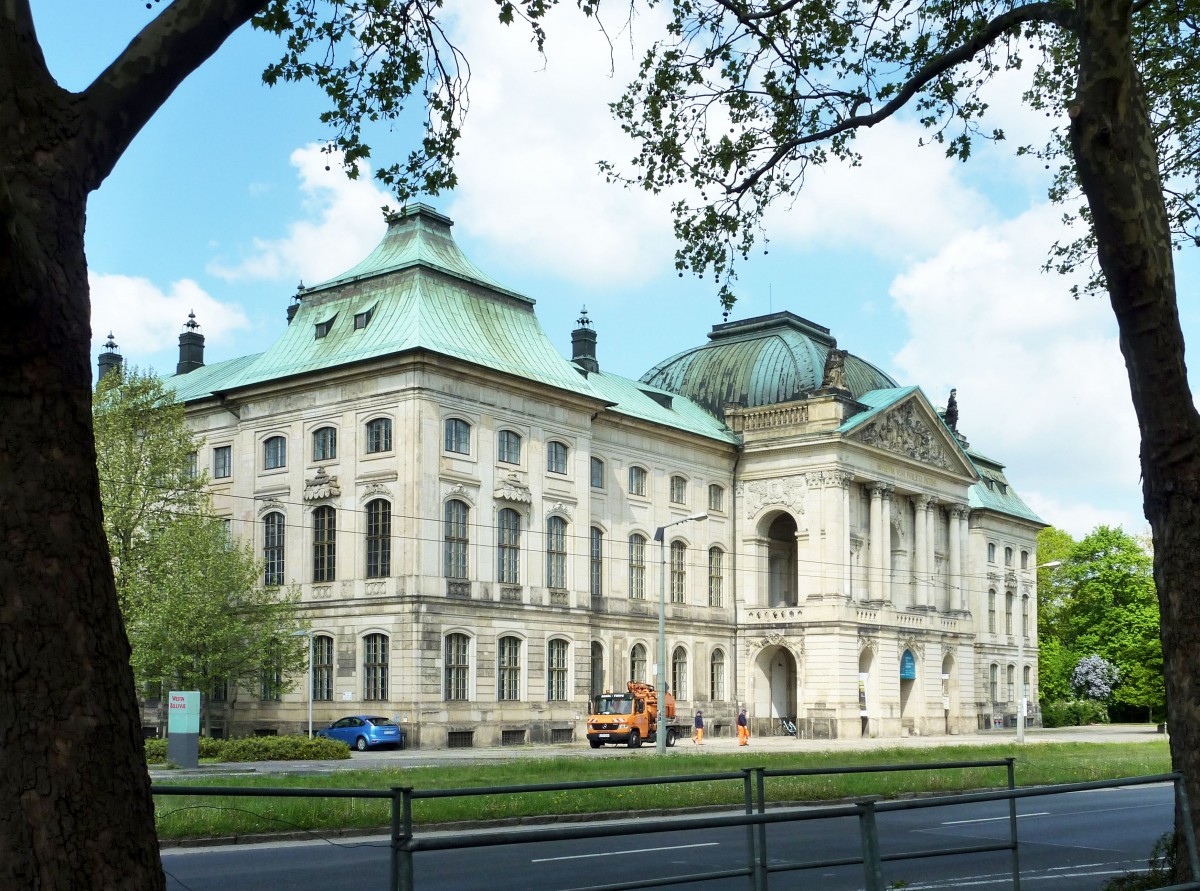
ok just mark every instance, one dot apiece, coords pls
pixel 474 540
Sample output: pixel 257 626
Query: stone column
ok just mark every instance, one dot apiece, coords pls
pixel 875 544
pixel 922 565
pixel 954 541
pixel 835 553
pixel 964 530
pixel 886 541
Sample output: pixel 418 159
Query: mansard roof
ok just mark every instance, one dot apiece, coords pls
pixel 994 492
pixel 760 361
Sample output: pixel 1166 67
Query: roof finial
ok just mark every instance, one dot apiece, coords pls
pixel 583 321
pixel 191 324
pixel 950 415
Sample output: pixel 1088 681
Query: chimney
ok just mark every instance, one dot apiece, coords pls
pixel 583 344
pixel 109 358
pixel 191 347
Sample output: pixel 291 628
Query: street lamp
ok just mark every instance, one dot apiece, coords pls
pixel 309 635
pixel 660 738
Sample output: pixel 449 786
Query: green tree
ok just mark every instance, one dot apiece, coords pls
pixel 1055 659
pixel 191 597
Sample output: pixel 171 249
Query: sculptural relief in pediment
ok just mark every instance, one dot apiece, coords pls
pixel 789 492
pixel 903 431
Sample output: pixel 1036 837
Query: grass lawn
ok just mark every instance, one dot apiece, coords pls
pixel 191 817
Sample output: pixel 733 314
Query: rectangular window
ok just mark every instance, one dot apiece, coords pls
pixel 597 473
pixel 678 490
pixel 457 667
pixel 324 544
pixel 190 470
pixel 275 453
pixel 322 668
pixel 556 671
pixel 379 539
pixel 637 480
pixel 509 447
pixel 363 319
pixel 508 547
pixel 637 567
pixel 508 673
pixel 1008 613
pixel 379 435
pixel 274 529
pixel 222 462
pixel 375 667
pixel 556 457
pixel 457 436
pixel 325 444
pixel 716 498
pixel 597 564
pixel 456 540
pixel 678 579
pixel 556 553
pixel 220 691
pixel 715 558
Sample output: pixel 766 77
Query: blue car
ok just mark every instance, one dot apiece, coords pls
pixel 364 731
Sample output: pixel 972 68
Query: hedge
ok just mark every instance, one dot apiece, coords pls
pixel 257 748
pixel 1073 713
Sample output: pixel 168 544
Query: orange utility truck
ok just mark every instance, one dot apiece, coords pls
pixel 632 718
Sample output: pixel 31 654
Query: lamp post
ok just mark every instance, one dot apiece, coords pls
pixel 309 635
pixel 660 738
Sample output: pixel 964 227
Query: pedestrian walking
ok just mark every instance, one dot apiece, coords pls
pixel 698 736
pixel 743 726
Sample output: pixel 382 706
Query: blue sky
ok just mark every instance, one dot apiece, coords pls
pixel 927 267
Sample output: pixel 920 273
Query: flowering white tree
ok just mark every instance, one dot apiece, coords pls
pixel 1095 677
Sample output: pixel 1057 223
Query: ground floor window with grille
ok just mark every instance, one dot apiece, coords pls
pixel 556 671
pixel 375 667
pixel 458 667
pixel 508 674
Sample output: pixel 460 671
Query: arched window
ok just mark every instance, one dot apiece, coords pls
pixel 324 444
pixel 274 531
pixel 597 562
pixel 678 573
pixel 679 673
pixel 1008 612
pixel 375 667
pixel 556 552
pixel 508 669
pixel 637 663
pixel 455 540
pixel 458 667
pixel 379 435
pixel 1024 559
pixel 597 473
pixel 1025 616
pixel 994 684
pixel 324 544
pixel 508 547
pixel 716 558
pixel 637 480
pixel 716 676
pixel 379 539
pixel 508 448
pixel 716 498
pixel 637 566
pixel 678 490
pixel 992 611
pixel 556 457
pixel 1008 557
pixel 991 552
pixel 458 436
pixel 1012 683
pixel 1027 672
pixel 557 655
pixel 322 668
pixel 274 453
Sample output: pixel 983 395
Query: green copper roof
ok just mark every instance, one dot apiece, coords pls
pixel 634 399
pixel 994 492
pixel 760 361
pixel 208 379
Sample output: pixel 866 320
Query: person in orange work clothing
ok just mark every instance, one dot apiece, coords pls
pixel 743 726
pixel 698 736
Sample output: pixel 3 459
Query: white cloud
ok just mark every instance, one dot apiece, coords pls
pixel 146 319
pixel 1040 379
pixel 344 225
pixel 1080 518
pixel 528 181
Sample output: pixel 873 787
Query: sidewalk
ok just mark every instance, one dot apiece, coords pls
pixel 1096 733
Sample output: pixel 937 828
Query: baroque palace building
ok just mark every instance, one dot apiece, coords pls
pixel 474 522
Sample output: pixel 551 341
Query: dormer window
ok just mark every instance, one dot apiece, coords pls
pixel 323 328
pixel 362 319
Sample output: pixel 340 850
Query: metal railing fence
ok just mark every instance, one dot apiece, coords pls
pixel 755 818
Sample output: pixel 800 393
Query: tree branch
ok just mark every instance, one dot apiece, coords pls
pixel 21 56
pixel 1050 12
pixel 129 92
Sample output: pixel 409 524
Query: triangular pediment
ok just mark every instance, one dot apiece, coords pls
pixel 910 428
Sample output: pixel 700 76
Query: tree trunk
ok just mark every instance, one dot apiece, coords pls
pixel 75 806
pixel 1117 162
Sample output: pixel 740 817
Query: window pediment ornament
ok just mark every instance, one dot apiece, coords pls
pixel 461 492
pixel 270 505
pixel 560 508
pixel 374 490
pixel 512 489
pixel 321 486
pixel 790 492
pixel 776 639
pixel 904 432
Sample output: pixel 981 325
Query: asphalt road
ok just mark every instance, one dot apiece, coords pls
pixel 1072 841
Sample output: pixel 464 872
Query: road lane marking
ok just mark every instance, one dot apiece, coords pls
pixel 634 851
pixel 994 819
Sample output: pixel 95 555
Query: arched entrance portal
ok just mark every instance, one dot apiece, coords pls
pixel 781 561
pixel 868 691
pixel 776 684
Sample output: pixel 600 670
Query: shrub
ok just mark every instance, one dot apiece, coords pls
pixel 156 751
pixel 283 748
pixel 1161 872
pixel 1073 713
